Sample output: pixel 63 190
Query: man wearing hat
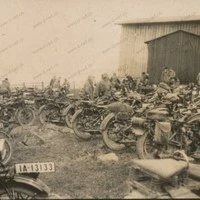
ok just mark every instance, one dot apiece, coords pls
pixel 103 88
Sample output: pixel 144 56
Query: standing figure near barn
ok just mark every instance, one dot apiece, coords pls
pixel 115 82
pixel 171 73
pixel 164 75
pixel 103 88
pixel 167 75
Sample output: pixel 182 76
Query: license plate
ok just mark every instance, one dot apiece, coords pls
pixel 35 167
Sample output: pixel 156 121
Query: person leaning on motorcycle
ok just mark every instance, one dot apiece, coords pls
pixel 104 87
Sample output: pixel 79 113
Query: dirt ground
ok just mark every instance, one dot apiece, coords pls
pixel 79 174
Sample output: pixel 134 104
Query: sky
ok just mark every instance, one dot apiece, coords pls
pixel 71 38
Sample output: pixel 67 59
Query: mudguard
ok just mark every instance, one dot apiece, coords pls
pixel 76 114
pixel 66 110
pixel 106 121
pixel 35 184
pixel 193 118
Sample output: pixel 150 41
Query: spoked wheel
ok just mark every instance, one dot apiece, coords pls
pixel 26 116
pixel 6 155
pixel 80 125
pixel 145 146
pixel 112 135
pixel 68 117
pixel 19 192
pixel 48 113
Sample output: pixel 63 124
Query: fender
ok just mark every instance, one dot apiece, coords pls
pixel 193 118
pixel 35 184
pixel 106 121
pixel 66 110
pixel 76 114
pixel 49 104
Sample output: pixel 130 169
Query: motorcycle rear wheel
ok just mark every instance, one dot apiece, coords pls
pixel 8 151
pixel 109 142
pixel 145 146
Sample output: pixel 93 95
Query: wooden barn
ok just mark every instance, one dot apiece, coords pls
pixel 151 44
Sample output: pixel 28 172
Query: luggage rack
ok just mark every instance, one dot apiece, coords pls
pixel 164 178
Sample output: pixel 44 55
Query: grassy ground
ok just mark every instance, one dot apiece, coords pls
pixel 79 174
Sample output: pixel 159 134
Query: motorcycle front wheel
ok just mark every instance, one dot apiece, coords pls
pixel 111 136
pixel 78 126
pixel 19 192
pixel 26 116
pixel 68 117
pixel 47 113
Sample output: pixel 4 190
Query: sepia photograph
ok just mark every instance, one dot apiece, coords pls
pixel 99 99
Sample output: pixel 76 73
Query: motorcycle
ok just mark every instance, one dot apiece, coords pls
pixel 116 128
pixel 53 111
pixel 21 186
pixel 89 115
pixel 70 110
pixel 166 130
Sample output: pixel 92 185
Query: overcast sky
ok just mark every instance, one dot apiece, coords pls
pixel 71 38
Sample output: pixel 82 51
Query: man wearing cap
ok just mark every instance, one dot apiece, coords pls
pixel 103 88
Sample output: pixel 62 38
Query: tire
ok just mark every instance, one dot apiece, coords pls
pixel 68 117
pixel 26 116
pixel 20 192
pixel 111 144
pixel 142 149
pixel 45 111
pixel 8 147
pixel 76 128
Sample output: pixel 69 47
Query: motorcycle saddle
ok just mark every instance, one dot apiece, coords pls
pixel 161 169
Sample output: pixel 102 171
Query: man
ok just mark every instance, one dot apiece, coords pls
pixel 103 88
pixel 88 88
pixel 164 75
pixel 144 79
pixel 52 82
pixel 57 83
pixel 5 87
pixel 171 73
pixel 115 82
pixel 66 85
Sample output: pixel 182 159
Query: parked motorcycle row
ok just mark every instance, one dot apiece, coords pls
pixel 20 181
pixel 156 124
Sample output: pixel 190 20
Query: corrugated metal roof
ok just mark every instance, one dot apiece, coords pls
pixel 155 20
pixel 172 34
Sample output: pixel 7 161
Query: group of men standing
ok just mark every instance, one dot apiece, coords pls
pixel 55 83
pixel 106 86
